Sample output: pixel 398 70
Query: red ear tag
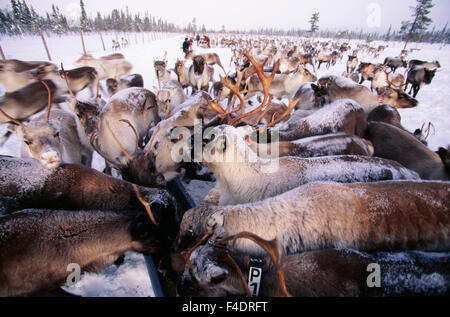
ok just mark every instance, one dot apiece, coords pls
pixel 248 140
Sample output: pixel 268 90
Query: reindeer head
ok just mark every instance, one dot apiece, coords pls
pixel 399 99
pixel 88 113
pixel 199 64
pixel 112 85
pixel 160 67
pixel 42 140
pixel 214 270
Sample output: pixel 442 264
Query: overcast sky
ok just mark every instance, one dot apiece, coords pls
pixel 369 15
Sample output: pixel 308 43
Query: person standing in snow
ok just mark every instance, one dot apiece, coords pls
pixel 186 45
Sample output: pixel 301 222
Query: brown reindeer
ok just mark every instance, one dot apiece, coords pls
pixel 28 184
pixel 335 88
pixel 393 143
pixel 37 246
pixel 218 271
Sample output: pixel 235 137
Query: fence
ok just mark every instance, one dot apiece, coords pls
pixel 55 47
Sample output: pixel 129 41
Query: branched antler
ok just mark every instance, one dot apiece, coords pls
pixel 145 204
pixel 12 119
pixel 49 105
pixel 187 254
pixel 275 252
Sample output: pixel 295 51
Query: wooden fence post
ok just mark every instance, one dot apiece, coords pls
pixel 3 55
pixel 45 45
pixel 103 43
pixel 82 42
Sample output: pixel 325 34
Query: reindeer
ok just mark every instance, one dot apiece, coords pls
pixel 352 63
pixel 419 76
pixel 169 98
pixel 394 143
pixel 28 184
pixel 163 142
pixel 283 85
pixel 235 165
pixel 289 65
pixel 383 80
pixel 210 58
pixel 37 246
pixel 428 65
pixel 395 62
pixel 16 74
pixel 76 79
pixel 134 80
pixel 340 116
pixel 317 146
pixel 338 88
pixel 215 270
pixel 23 103
pixel 128 114
pixel 329 58
pixel 364 216
pixel 183 73
pixel 112 66
pixel 366 71
pixel 200 74
pixel 162 74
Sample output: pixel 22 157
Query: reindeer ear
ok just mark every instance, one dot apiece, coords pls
pixel 16 130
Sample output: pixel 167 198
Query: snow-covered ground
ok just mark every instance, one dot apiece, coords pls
pixel 131 278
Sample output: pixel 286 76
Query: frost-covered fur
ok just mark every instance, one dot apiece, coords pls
pixel 36 246
pixel 340 116
pixel 317 146
pixel 243 177
pixel 395 215
pixel 139 107
pixel 323 273
pixel 185 115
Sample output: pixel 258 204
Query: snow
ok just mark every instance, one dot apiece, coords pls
pixel 131 278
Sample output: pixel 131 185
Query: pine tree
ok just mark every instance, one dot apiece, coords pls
pixel 411 30
pixel 84 22
pixel 388 34
pixel 314 21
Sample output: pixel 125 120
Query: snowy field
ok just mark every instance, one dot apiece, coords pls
pixel 131 278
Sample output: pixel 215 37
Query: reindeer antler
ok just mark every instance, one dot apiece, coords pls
pixel 12 119
pixel 145 204
pixel 118 142
pixel 266 81
pixel 99 151
pixel 187 254
pixel 98 85
pixel 49 106
pixel 67 83
pixel 275 252
pixel 135 133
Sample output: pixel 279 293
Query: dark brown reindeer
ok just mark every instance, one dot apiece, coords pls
pixel 200 74
pixel 37 246
pixel 216 270
pixel 335 88
pixel 393 143
pixel 365 216
pixel 28 184
pixel 23 103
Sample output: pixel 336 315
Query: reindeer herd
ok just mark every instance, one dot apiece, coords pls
pixel 315 178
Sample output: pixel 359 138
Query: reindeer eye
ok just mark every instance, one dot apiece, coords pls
pixel 156 145
pixel 27 142
pixel 57 135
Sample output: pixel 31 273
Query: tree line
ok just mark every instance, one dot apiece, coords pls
pixel 23 19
